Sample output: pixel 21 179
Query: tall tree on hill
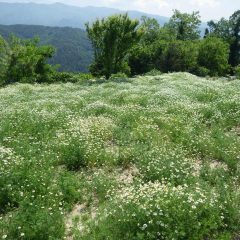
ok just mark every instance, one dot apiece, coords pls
pixel 150 29
pixel 214 55
pixel 4 59
pixel 234 59
pixel 229 30
pixel 220 29
pixel 28 62
pixel 185 26
pixel 112 38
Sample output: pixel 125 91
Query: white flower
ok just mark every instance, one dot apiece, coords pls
pixel 22 234
pixel 144 226
pixel 4 236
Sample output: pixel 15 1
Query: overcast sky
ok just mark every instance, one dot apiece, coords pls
pixel 209 9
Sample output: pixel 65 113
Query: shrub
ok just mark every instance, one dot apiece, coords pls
pixel 179 56
pixel 28 61
pixel 118 77
pixel 237 71
pixel 202 71
pixel 213 55
pixel 70 77
pixel 61 77
pixel 153 72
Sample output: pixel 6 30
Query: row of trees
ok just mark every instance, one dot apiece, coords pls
pixel 136 47
pixel 132 47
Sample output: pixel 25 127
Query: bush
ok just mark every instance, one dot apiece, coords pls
pixel 141 59
pixel 213 55
pixel 70 77
pixel 237 71
pixel 118 77
pixel 202 71
pixel 153 72
pixel 28 62
pixel 61 77
pixel 180 56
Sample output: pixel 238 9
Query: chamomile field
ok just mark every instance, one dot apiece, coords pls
pixel 154 157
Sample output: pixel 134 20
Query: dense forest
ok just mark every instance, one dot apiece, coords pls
pixel 73 49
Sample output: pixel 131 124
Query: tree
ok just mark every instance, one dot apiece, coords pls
pixel 4 58
pixel 234 59
pixel 220 29
pixel 229 30
pixel 146 55
pixel 28 61
pixel 206 33
pixel 185 26
pixel 180 56
pixel 150 29
pixel 213 55
pixel 112 38
pixel 141 59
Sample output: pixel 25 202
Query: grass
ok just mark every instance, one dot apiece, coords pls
pixel 149 158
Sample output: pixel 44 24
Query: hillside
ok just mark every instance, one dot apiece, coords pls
pixel 145 158
pixel 58 14
pixel 74 51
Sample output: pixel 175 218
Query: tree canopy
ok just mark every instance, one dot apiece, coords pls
pixel 185 26
pixel 112 38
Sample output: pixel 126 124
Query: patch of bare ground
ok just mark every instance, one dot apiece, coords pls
pixel 197 165
pixel 69 222
pixel 213 165
pixel 127 175
pixel 216 165
pixel 236 130
pixel 75 219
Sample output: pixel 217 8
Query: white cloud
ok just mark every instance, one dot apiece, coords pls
pixel 209 3
pixel 149 6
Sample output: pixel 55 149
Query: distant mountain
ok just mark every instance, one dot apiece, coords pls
pixel 59 15
pixel 74 51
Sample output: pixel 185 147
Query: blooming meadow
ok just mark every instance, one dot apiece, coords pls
pixel 154 157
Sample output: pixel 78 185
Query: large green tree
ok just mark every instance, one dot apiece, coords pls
pixel 179 56
pixel 229 30
pixel 213 55
pixel 28 61
pixel 220 29
pixel 185 26
pixel 112 38
pixel 150 29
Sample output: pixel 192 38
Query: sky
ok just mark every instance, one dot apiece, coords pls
pixel 209 9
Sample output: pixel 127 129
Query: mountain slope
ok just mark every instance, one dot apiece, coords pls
pixel 74 52
pixel 58 14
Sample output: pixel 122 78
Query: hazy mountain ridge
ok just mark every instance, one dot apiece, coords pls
pixel 59 15
pixel 74 51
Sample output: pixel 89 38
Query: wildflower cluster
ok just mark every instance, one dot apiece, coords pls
pixel 156 210
pixel 156 157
